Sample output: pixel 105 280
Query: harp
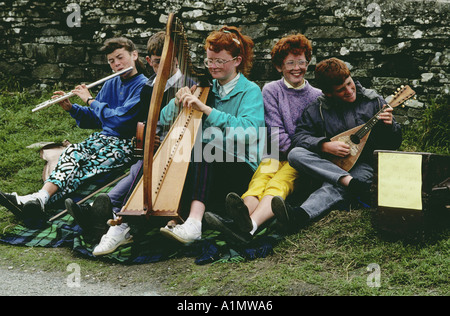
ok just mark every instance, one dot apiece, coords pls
pixel 158 191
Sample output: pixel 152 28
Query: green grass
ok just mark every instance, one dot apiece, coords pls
pixel 19 127
pixel 431 133
pixel 329 257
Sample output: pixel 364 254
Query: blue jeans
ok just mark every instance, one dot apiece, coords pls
pixel 122 188
pixel 331 192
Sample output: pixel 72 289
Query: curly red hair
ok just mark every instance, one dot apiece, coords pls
pixel 295 44
pixel 230 38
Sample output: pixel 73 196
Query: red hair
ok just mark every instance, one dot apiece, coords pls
pixel 330 72
pixel 229 38
pixel 295 44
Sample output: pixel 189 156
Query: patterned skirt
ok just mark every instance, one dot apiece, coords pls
pixel 95 155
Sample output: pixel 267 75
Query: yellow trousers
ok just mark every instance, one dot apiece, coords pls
pixel 272 178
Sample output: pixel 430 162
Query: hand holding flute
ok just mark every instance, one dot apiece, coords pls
pixel 81 91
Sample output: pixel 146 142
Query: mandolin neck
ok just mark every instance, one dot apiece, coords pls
pixel 366 128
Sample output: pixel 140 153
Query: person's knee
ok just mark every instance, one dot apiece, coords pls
pixel 295 157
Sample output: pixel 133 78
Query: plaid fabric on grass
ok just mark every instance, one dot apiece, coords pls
pixel 147 247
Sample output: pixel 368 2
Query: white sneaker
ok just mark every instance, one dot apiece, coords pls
pixel 184 233
pixel 109 243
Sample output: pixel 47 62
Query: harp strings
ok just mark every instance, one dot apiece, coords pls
pixel 181 70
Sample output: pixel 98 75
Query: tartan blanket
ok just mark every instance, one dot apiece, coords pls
pixel 149 247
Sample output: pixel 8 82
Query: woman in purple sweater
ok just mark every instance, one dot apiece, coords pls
pixel 284 102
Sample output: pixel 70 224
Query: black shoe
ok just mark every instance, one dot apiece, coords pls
pixel 10 202
pixel 81 213
pixel 238 212
pixel 290 219
pixel 360 190
pixel 102 212
pixel 92 219
pixel 358 187
pixel 228 227
pixel 33 210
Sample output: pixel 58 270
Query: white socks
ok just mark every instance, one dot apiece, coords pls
pixel 41 195
pixel 255 227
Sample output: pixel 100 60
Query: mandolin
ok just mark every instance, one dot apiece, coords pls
pixel 357 137
pixel 138 141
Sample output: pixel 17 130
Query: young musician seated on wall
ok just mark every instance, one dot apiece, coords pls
pixel 345 104
pixel 234 103
pixel 284 101
pixel 114 110
pixel 93 219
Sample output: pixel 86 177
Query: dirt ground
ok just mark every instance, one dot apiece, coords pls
pixel 173 277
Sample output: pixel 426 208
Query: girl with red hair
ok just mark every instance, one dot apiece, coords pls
pixel 234 104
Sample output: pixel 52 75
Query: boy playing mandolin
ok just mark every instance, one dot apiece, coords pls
pixel 345 105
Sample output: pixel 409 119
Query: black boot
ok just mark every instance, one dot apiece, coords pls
pixel 360 189
pixel 238 212
pixel 228 227
pixel 81 213
pixel 102 212
pixel 10 202
pixel 92 219
pixel 31 210
pixel 290 219
pixel 34 210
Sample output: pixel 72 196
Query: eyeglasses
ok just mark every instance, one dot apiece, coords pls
pixel 155 61
pixel 290 64
pixel 218 62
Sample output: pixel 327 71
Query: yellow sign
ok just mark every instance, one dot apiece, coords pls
pixel 400 180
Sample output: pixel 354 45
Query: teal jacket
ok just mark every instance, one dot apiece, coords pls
pixel 236 124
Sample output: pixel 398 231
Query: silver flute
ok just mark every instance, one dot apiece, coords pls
pixel 47 103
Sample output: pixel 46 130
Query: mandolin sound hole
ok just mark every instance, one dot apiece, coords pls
pixel 355 139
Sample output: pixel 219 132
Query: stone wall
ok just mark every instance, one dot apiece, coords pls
pixel 386 43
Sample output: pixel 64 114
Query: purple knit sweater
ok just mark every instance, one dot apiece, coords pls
pixel 283 106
